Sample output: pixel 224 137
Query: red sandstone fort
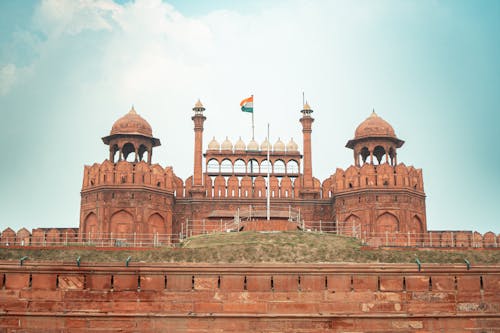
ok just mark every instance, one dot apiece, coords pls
pixel 129 201
pixel 376 195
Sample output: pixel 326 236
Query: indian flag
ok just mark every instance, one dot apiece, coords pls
pixel 247 104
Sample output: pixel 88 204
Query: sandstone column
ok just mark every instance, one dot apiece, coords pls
pixel 198 119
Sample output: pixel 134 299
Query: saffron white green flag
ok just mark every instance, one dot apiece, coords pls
pixel 247 104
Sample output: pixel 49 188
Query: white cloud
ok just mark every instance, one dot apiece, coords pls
pixel 7 78
pixel 57 17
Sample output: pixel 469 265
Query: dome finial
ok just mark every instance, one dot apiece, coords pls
pixel 132 110
pixel 198 107
pixel 306 110
pixel 373 113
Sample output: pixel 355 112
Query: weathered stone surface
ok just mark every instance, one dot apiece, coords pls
pixel 152 282
pixel 200 305
pixel 391 283
pixel 17 280
pixel 70 282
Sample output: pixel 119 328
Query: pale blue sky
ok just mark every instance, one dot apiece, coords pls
pixel 69 69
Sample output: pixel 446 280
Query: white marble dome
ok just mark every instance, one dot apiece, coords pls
pixel 240 145
pixel 214 144
pixel 226 145
pixel 265 145
pixel 292 146
pixel 279 146
pixel 253 145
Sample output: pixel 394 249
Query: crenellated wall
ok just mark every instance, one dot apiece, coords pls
pixel 263 298
pixel 379 199
pixel 374 176
pixel 126 199
pixel 125 173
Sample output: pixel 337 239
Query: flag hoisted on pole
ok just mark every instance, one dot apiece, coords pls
pixel 247 106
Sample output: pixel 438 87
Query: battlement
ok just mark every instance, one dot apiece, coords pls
pixel 374 176
pixel 125 173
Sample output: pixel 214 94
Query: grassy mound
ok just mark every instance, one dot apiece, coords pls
pixel 254 247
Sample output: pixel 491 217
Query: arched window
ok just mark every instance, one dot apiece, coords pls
pixel 240 166
pixel 379 153
pixel 279 167
pixel 143 153
pixel 213 166
pixel 253 166
pixel 292 167
pixel 128 151
pixel 114 150
pixel 226 166
pixel 266 166
pixel 392 156
pixel 364 153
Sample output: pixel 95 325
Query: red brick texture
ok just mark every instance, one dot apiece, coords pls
pixel 284 298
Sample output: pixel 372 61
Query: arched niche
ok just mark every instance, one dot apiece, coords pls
pixel 416 228
pixel 156 224
pixel 121 225
pixel 387 222
pixel 90 227
pixel 350 226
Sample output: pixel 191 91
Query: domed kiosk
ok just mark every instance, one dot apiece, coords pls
pixel 375 137
pixel 131 134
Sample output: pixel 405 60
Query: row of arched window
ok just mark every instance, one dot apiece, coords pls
pixel 252 167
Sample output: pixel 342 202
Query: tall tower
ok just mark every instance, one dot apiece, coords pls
pixel 198 190
pixel 127 195
pixel 307 186
pixel 377 195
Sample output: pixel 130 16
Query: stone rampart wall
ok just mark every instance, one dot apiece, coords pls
pixel 258 298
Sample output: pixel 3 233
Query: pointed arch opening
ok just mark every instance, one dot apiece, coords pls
pixel 387 222
pixel 379 153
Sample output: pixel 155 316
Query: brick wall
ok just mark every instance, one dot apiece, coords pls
pixel 262 298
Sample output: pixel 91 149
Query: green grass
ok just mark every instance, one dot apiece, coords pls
pixel 254 247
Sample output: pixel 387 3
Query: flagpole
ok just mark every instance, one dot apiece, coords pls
pixel 268 183
pixel 253 126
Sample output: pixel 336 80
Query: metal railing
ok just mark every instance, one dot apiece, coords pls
pixel 189 228
pixel 94 240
